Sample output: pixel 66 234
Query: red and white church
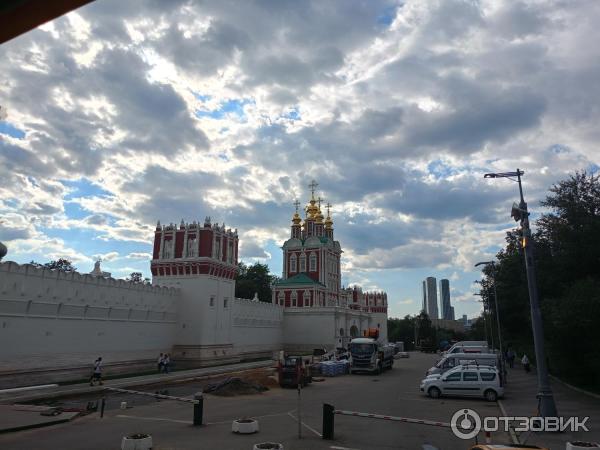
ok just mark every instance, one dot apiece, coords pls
pixel 316 306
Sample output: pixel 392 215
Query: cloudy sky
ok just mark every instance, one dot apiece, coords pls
pixel 123 113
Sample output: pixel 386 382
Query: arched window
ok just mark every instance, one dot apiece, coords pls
pixel 312 264
pixel 280 298
pixel 302 262
pixel 341 331
pixel 168 249
pixel 293 262
pixel 306 298
pixel 294 298
pixel 192 246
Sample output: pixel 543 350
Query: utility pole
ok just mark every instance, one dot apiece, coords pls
pixel 519 213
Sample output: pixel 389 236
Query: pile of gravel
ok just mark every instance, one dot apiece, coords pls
pixel 234 386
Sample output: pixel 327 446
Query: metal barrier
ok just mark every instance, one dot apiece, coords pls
pixel 197 401
pixel 329 413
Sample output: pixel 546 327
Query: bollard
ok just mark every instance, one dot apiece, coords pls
pixel 198 408
pixel 103 404
pixel 488 437
pixel 328 421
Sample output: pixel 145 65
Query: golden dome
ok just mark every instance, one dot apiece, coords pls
pixel 312 209
pixel 328 222
pixel 319 216
pixel 296 219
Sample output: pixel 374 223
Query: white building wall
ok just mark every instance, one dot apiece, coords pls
pixel 53 318
pixel 199 321
pixel 257 328
pixel 305 329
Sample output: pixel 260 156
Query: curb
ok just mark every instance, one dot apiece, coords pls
pixel 37 425
pixel 513 435
pixel 181 376
pixel 575 388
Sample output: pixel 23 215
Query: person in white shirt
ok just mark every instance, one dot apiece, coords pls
pixel 525 362
pixel 97 372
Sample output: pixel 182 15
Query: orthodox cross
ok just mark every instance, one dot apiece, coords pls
pixel 297 205
pixel 319 200
pixel 312 187
pixel 328 206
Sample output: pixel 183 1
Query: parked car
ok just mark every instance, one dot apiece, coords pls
pixel 402 355
pixel 465 381
pixel 457 359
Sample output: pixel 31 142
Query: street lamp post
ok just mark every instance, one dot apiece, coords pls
pixel 493 266
pixel 519 212
pixel 485 326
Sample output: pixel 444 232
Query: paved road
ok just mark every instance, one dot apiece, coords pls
pixel 393 393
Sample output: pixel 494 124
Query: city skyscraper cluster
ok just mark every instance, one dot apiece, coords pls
pixel 430 299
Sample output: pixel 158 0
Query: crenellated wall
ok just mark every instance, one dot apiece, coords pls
pixel 53 319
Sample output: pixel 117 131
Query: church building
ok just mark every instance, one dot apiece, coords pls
pixel 317 309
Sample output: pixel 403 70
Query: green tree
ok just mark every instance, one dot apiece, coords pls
pixel 254 279
pixel 402 330
pixel 567 240
pixel 61 264
pixel 137 277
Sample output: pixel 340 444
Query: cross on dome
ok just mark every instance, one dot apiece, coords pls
pixel 297 205
pixel 313 185
pixel 328 206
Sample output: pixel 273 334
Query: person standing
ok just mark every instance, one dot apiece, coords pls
pixel 166 362
pixel 160 363
pixel 510 356
pixel 97 372
pixel 525 362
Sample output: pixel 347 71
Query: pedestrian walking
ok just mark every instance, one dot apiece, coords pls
pixel 510 357
pixel 166 362
pixel 160 362
pixel 525 362
pixel 97 372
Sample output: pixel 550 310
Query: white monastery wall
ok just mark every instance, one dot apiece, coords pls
pixel 257 328
pixel 69 319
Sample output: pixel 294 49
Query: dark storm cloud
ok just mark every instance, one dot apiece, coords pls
pixel 446 200
pixel 203 53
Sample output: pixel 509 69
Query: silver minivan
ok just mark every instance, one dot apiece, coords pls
pixel 456 359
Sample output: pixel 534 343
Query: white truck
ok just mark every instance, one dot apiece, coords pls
pixel 368 355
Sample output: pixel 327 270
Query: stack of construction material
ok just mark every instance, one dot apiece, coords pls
pixel 333 368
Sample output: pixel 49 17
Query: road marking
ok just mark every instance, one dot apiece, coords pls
pixel 306 426
pixel 513 435
pixel 159 419
pixel 343 448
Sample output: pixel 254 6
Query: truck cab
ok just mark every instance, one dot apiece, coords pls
pixel 368 355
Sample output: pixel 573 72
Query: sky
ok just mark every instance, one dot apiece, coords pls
pixel 120 114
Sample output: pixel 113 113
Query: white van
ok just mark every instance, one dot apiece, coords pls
pixel 462 344
pixel 457 359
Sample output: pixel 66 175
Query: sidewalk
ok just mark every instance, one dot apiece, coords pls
pixel 520 400
pixel 85 388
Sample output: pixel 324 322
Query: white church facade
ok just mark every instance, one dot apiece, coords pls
pixel 54 323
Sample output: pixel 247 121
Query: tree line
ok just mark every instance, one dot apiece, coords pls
pixel 567 258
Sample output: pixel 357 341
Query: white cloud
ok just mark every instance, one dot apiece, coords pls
pixel 396 121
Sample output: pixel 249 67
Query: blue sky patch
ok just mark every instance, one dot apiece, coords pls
pixel 83 188
pixel 440 170
pixel 293 114
pixel 229 107
pixel 11 130
pixel 387 16
pixel 202 97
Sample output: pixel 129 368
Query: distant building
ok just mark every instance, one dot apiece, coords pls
pixel 454 325
pixel 430 298
pixel 452 313
pixel 445 300
pixel 466 322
